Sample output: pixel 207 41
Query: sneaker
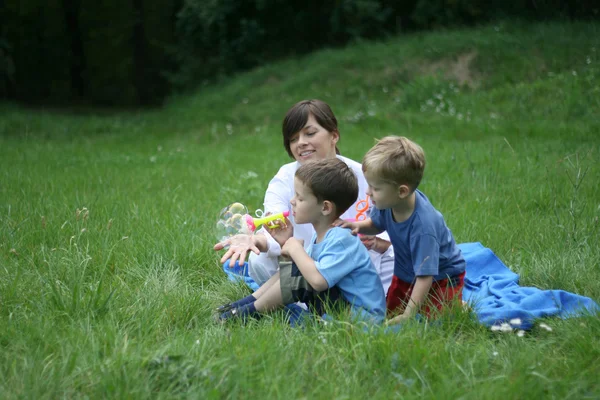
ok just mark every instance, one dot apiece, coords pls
pixel 224 308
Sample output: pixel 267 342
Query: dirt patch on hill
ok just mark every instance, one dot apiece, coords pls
pixel 457 69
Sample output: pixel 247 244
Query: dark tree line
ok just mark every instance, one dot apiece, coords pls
pixel 136 52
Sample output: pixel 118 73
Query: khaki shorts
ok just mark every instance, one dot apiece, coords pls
pixel 295 288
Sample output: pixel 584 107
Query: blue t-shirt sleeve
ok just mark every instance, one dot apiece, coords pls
pixel 425 252
pixel 378 218
pixel 337 260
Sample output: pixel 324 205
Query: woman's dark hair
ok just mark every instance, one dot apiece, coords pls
pixel 296 118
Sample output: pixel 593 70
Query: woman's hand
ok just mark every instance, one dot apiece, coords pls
pixel 238 247
pixel 282 232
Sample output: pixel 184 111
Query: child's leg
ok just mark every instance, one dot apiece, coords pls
pixel 444 292
pixel 251 298
pixel 270 299
pixel 397 296
pixel 263 289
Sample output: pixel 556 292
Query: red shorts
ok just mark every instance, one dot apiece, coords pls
pixel 442 293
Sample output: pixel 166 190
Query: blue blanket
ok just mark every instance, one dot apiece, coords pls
pixel 494 293
pixel 491 289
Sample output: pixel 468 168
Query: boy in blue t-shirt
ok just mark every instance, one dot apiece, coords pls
pixel 429 268
pixel 335 268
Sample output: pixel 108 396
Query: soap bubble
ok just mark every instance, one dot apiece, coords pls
pixel 232 222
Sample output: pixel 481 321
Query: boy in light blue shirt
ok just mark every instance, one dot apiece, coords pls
pixel 335 269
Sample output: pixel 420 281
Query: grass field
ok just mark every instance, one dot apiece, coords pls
pixel 107 274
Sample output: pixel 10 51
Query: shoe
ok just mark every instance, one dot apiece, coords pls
pixel 224 308
pixel 224 317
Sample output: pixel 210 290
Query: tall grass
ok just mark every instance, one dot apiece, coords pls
pixel 107 274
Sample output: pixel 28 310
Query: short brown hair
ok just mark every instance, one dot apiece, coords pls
pixel 296 118
pixel 330 179
pixel 396 159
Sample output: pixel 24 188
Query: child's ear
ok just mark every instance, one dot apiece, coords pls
pixel 403 191
pixel 327 208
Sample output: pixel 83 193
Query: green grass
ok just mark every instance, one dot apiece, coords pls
pixel 115 301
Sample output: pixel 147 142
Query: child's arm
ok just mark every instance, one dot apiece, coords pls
pixel 418 296
pixel 366 227
pixel 294 249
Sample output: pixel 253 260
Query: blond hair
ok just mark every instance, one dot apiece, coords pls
pixel 396 159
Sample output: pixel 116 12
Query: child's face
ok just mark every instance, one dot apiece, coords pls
pixel 305 206
pixel 384 194
pixel 313 142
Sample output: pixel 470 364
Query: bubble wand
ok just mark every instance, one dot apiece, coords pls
pixel 254 223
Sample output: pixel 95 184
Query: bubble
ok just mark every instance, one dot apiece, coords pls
pixel 232 222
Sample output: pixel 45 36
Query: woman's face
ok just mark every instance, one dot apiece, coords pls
pixel 313 142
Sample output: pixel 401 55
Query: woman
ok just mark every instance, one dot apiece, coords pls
pixel 310 132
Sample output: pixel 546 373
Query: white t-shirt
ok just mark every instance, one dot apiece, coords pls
pixel 277 199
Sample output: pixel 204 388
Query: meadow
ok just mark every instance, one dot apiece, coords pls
pixel 107 274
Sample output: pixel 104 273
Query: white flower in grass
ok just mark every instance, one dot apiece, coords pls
pixel 588 60
pixel 504 327
pixel 520 333
pixel 574 73
pixel 153 159
pixel 546 327
pixel 197 341
pixel 515 321
pixel 495 353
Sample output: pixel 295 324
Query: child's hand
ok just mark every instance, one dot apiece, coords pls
pixel 353 226
pixel 370 242
pixel 282 232
pixel 238 248
pixel 289 246
pixel 398 319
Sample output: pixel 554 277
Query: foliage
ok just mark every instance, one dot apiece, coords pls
pixel 138 52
